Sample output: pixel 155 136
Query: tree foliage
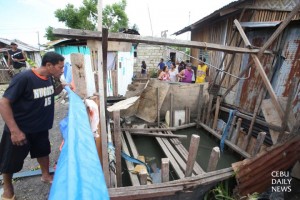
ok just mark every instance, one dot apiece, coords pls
pixel 85 17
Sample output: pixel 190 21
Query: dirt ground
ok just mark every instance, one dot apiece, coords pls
pixel 31 188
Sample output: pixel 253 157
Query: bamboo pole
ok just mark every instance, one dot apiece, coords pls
pixel 195 140
pixel 213 160
pixel 165 166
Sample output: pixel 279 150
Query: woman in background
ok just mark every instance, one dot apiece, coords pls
pixel 173 73
pixel 164 75
pixel 144 69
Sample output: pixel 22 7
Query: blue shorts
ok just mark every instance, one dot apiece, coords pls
pixel 12 156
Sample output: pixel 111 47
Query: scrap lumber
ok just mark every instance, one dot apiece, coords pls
pixel 165 163
pixel 86 34
pixel 169 188
pixel 118 146
pixel 214 159
pixel 159 135
pixel 227 142
pixel 133 177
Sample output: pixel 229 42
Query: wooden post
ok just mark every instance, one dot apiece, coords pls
pixel 143 177
pixel 200 104
pixel 236 133
pixel 165 163
pixel 257 106
pixel 231 128
pixel 211 96
pixel 171 109
pixel 203 117
pixel 195 140
pixel 213 160
pixel 216 113
pixel 102 100
pixel 157 107
pixel 118 146
pixel 187 115
pixel 259 141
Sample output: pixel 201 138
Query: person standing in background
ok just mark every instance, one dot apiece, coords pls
pixel 186 75
pixel 144 69
pixel 160 66
pixel 173 73
pixel 202 71
pixel 18 58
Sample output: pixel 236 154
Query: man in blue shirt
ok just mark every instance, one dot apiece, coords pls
pixel 161 64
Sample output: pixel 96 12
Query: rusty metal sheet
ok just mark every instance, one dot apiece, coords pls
pixel 254 174
pixel 248 90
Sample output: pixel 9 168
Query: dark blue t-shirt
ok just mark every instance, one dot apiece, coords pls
pixel 32 101
pixel 161 65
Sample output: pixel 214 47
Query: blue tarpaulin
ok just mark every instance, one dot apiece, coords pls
pixel 78 175
pixel 226 129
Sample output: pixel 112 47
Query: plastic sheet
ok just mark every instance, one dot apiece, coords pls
pixel 79 174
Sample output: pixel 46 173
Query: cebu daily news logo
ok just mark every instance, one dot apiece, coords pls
pixel 281 181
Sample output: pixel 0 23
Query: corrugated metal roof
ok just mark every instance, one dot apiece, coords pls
pixel 21 45
pixel 255 174
pixel 214 14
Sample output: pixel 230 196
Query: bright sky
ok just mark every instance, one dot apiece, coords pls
pixel 27 19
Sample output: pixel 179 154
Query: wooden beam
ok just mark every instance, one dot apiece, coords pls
pixel 159 135
pixel 213 160
pixel 133 177
pixel 200 103
pixel 211 96
pixel 118 146
pixel 86 34
pixel 193 150
pixel 216 114
pixel 227 142
pixel 148 129
pixel 231 127
pixel 244 116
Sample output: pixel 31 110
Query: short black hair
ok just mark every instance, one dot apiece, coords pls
pixel 52 57
pixel 202 59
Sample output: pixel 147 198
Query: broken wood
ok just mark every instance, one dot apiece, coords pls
pixel 216 114
pixel 165 170
pixel 213 160
pixel 118 146
pixel 143 177
pixel 259 142
pixel 194 144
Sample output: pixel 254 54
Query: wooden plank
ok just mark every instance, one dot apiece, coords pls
pixel 231 128
pixel 236 133
pixel 227 142
pixel 86 34
pixel 165 170
pixel 159 135
pixel 214 159
pixel 132 145
pixel 78 74
pixel 133 177
pixel 184 153
pixel 200 103
pixel 216 114
pixel 148 129
pixel 173 162
pixel 118 146
pixel 211 96
pixel 242 33
pixel 194 144
pixel 248 117
pixel 259 141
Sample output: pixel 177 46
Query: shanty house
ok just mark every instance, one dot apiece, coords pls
pixel 259 18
